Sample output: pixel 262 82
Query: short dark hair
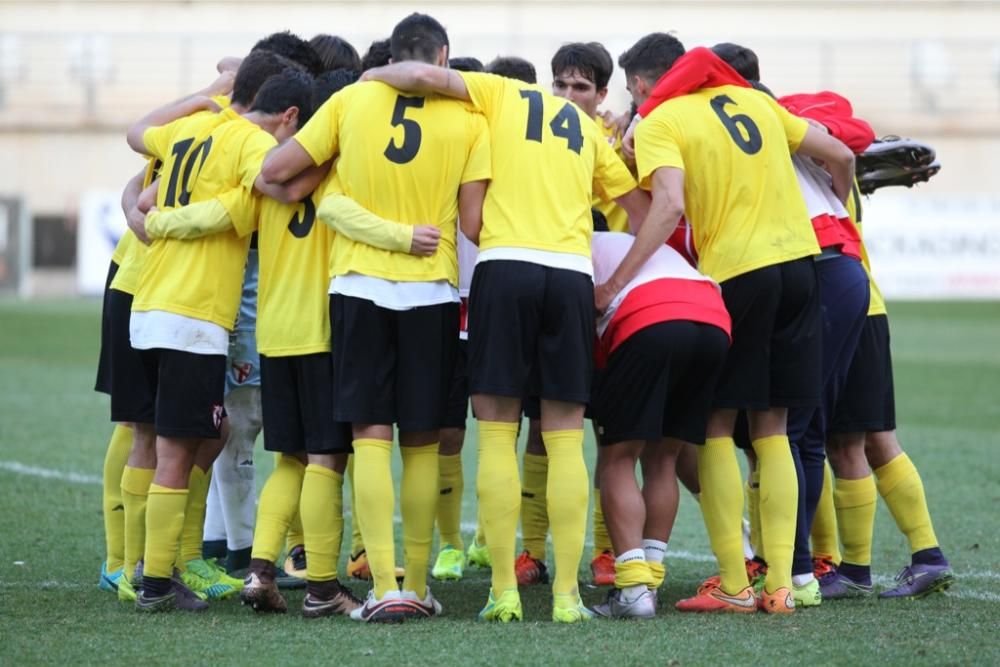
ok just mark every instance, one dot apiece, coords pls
pixel 328 83
pixel 291 88
pixel 378 55
pixel 740 58
pixel 255 69
pixel 465 64
pixel 292 47
pixel 651 56
pixel 513 67
pixel 336 53
pixel 591 60
pixel 417 37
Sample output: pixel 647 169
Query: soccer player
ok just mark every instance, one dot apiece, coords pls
pixel 664 338
pixel 183 331
pixel 418 160
pixel 378 54
pixel 580 72
pixel 533 274
pixel 754 238
pixel 336 53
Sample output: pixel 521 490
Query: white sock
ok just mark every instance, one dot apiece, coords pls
pixel 654 550
pixel 631 554
pixel 215 523
pixel 632 593
pixel 747 545
pixel 802 579
pixel 234 468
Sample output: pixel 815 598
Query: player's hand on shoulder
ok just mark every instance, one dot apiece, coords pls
pixel 223 85
pixel 425 240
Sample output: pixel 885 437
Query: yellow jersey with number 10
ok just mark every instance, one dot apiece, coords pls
pixel 741 196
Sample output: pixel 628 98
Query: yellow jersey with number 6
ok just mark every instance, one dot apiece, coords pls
pixel 741 196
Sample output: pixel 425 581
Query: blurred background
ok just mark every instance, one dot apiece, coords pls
pixel 74 75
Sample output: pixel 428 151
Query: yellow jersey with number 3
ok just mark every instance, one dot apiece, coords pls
pixel 204 156
pixel 549 161
pixel 741 197
pixel 402 157
pixel 293 246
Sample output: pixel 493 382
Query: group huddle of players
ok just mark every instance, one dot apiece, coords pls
pixel 328 247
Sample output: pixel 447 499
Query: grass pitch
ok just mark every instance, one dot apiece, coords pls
pixel 54 429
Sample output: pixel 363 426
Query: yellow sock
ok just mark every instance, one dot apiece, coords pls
pixel 855 502
pixel 451 486
pixel 164 523
pixel 634 573
pixel 135 492
pixel 825 540
pixel 193 532
pixel 357 544
pixel 779 505
pixel 322 511
pixel 296 533
pixel 115 459
pixel 499 490
pixel 279 502
pixel 722 508
pixel 567 495
pixel 534 510
pixel 602 541
pixel 418 500
pixel 657 571
pixel 480 531
pixel 376 502
pixel 900 486
pixel 753 512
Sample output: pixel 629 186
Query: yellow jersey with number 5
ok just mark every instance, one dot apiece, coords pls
pixel 741 196
pixel 549 162
pixel 402 157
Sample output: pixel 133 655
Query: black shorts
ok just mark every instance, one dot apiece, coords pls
pixel 776 359
pixel 103 382
pixel 296 396
pixel 867 402
pixel 659 383
pixel 189 390
pixel 132 398
pixel 392 366
pixel 458 396
pixel 531 331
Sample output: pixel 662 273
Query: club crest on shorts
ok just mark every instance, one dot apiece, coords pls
pixel 241 371
pixel 217 413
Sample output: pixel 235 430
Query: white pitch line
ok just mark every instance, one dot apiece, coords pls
pixel 48 473
pixel 467 526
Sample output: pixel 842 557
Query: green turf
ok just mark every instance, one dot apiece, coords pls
pixel 51 544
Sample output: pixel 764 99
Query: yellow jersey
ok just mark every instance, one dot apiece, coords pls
pixel 549 161
pixel 293 246
pixel 122 247
pixel 127 278
pixel 403 158
pixel 204 156
pixel 616 216
pixel 876 306
pixel 741 196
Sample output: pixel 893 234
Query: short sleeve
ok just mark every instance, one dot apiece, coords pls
pixel 657 144
pixel 612 178
pixel 243 208
pixel 485 91
pixel 255 149
pixel 479 166
pixel 320 137
pixel 157 139
pixel 795 127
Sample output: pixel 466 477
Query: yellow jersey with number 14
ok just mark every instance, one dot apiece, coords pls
pixel 203 158
pixel 549 161
pixel 741 196
pixel 403 158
